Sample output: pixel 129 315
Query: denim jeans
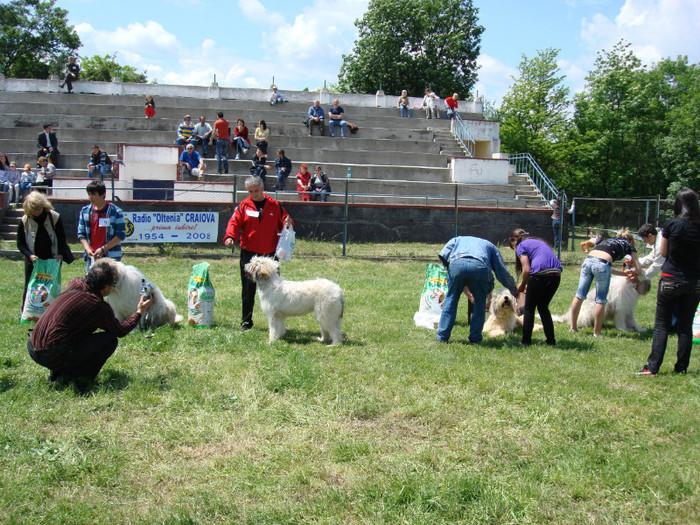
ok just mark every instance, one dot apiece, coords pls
pixel 601 270
pixel 405 110
pixel 281 178
pixel 23 186
pixel 100 171
pixel 681 296
pixel 540 290
pixel 465 272
pixel 205 145
pixel 343 125
pixel 221 155
pixel 320 196
pixel 241 144
pixel 182 142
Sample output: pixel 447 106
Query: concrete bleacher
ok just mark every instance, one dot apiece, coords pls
pixel 390 156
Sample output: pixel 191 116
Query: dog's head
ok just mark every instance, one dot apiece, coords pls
pixel 642 286
pixel 261 268
pixel 108 261
pixel 503 302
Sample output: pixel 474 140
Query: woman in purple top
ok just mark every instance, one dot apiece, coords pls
pixel 540 272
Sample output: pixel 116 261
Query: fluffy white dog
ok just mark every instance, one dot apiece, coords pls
pixel 280 299
pixel 502 318
pixel 623 297
pixel 124 299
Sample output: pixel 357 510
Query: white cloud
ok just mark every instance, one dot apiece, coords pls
pixel 496 75
pixel 135 37
pixel 254 11
pixel 655 28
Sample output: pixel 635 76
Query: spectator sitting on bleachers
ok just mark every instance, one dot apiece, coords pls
pixel 4 163
pixel 276 97
pixel 430 104
pixel 11 182
pixel 47 142
pixel 26 179
pixel 451 106
pixel 202 134
pixel 261 135
pixel 404 105
pixel 316 117
pixel 192 162
pixel 185 132
pixel 259 167
pixel 240 139
pixel 320 185
pixel 284 168
pixel 99 164
pixel 45 173
pixel 336 114
pixel 304 182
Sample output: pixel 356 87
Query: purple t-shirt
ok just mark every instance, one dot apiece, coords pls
pixel 541 256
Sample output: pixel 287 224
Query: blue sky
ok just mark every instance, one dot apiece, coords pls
pixel 246 43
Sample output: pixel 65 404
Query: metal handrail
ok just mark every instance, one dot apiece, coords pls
pixel 525 164
pixel 461 131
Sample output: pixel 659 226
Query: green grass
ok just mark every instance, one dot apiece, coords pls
pixel 215 426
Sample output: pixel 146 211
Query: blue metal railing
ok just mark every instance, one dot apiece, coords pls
pixel 461 131
pixel 525 164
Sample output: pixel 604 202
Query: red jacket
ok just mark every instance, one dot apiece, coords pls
pixel 452 103
pixel 257 232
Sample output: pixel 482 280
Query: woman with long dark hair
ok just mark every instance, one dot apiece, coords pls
pixel 540 274
pixel 679 286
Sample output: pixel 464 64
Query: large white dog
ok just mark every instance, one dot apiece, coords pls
pixel 623 297
pixel 502 317
pixel 124 299
pixel 280 299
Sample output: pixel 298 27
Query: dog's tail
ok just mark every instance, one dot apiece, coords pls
pixel 565 318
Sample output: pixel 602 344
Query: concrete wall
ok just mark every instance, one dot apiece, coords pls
pixel 366 223
pixel 214 91
pixel 479 171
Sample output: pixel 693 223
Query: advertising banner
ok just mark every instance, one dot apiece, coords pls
pixel 171 226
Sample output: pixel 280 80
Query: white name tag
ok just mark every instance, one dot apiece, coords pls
pixel 252 213
pixel 104 222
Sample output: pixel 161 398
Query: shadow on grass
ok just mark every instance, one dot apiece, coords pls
pixel 6 384
pixel 309 337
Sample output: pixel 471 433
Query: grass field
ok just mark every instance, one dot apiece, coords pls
pixel 215 426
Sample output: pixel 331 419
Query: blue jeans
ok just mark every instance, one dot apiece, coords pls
pixel 181 142
pixel 100 171
pixel 475 274
pixel 680 296
pixel 319 195
pixel 601 270
pixel 405 110
pixel 281 178
pixel 221 155
pixel 556 227
pixel 241 144
pixel 204 143
pixel 23 186
pixel 333 123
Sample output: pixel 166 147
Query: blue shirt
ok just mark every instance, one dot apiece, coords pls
pixel 539 253
pixel 192 160
pixel 316 112
pixel 481 250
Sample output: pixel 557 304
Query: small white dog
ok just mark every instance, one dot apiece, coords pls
pixel 280 299
pixel 124 299
pixel 502 317
pixel 623 297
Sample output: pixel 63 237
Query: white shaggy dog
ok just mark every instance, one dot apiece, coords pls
pixel 623 297
pixel 280 299
pixel 124 299
pixel 502 317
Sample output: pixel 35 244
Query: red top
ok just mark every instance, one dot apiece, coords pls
pixel 74 315
pixel 222 127
pixel 99 222
pixel 257 231
pixel 243 134
pixel 452 103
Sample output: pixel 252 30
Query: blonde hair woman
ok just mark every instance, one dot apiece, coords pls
pixel 40 235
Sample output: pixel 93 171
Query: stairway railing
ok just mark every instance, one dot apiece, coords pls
pixel 525 164
pixel 461 131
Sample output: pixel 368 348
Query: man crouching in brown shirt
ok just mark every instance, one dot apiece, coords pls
pixel 64 340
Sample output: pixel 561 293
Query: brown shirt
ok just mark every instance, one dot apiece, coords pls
pixel 75 314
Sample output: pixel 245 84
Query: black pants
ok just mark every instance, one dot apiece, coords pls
pixel 248 289
pixel 679 296
pixel 82 360
pixel 540 290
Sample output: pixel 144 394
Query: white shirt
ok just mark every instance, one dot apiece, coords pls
pixel 654 259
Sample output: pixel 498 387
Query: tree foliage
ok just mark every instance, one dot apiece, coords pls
pixel 35 38
pixel 414 44
pixel 105 68
pixel 534 115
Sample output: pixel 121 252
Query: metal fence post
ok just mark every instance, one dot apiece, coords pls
pixel 345 216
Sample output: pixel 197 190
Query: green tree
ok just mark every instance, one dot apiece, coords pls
pixel 105 68
pixel 35 38
pixel 618 126
pixel 534 114
pixel 414 44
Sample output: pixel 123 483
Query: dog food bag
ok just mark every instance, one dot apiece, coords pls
pixel 44 286
pixel 285 245
pixel 432 298
pixel 200 297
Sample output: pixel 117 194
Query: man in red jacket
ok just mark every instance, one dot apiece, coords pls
pixel 256 223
